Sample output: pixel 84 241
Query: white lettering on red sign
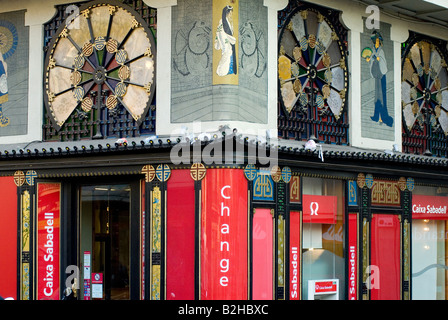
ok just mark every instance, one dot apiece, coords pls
pixel 352 273
pixel 48 256
pixel 429 207
pixel 325 287
pixel 416 208
pixel 295 273
pixel 224 264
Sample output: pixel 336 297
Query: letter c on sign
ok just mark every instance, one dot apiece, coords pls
pixel 222 192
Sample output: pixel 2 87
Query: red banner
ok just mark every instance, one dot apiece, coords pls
pixel 353 256
pixel 429 207
pixel 320 209
pixel 224 235
pixel 8 238
pixel 48 215
pixel 262 255
pixel 385 254
pixel 180 255
pixel 294 256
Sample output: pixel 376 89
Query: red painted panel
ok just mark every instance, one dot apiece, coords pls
pixel 353 256
pixel 180 236
pixel 262 255
pixel 294 256
pixel 48 236
pixel 385 257
pixel 224 235
pixel 8 238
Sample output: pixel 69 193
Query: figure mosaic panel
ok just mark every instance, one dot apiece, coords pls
pixel 377 83
pixel 219 61
pixel 13 74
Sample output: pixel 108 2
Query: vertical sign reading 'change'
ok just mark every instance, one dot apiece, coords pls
pixel 224 235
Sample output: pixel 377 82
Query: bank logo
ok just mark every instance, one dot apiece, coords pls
pixel 314 207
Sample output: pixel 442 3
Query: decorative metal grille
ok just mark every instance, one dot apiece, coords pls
pixel 425 96
pixel 111 123
pixel 312 53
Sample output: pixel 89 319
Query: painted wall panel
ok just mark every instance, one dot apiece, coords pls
pixel 180 236
pixel 385 256
pixel 8 238
pixel 262 256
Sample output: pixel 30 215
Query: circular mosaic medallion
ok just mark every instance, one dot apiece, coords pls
pixel 149 172
pixel 276 173
pixel 30 176
pixel 198 171
pixel 111 102
pixel 286 174
pixel 120 89
pixel 98 41
pixel 369 180
pixel 361 180
pixel 8 38
pixel 87 104
pixel 410 184
pixel 163 172
pixel 402 183
pixel 87 49
pixel 250 172
pixel 19 178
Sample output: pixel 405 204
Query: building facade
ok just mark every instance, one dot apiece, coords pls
pixel 226 149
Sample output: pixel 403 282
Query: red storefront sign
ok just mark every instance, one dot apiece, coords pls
pixel 353 256
pixel 224 235
pixel 320 209
pixel 294 256
pixel 429 207
pixel 48 215
pixel 325 287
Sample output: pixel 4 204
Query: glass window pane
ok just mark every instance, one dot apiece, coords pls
pixel 105 211
pixel 323 234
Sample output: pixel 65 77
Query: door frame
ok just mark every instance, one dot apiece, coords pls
pixel 71 228
pixel 403 209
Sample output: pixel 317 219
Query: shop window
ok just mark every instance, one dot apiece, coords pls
pixel 429 243
pixel 323 263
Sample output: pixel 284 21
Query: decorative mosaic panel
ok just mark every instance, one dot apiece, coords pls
pixel 14 57
pixel 313 75
pixel 109 87
pixel 219 61
pixel 25 245
pixel 263 187
pixel 385 193
pixel 377 79
pixel 156 242
pixel 424 96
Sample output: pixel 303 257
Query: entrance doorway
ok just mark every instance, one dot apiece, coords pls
pixel 105 214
